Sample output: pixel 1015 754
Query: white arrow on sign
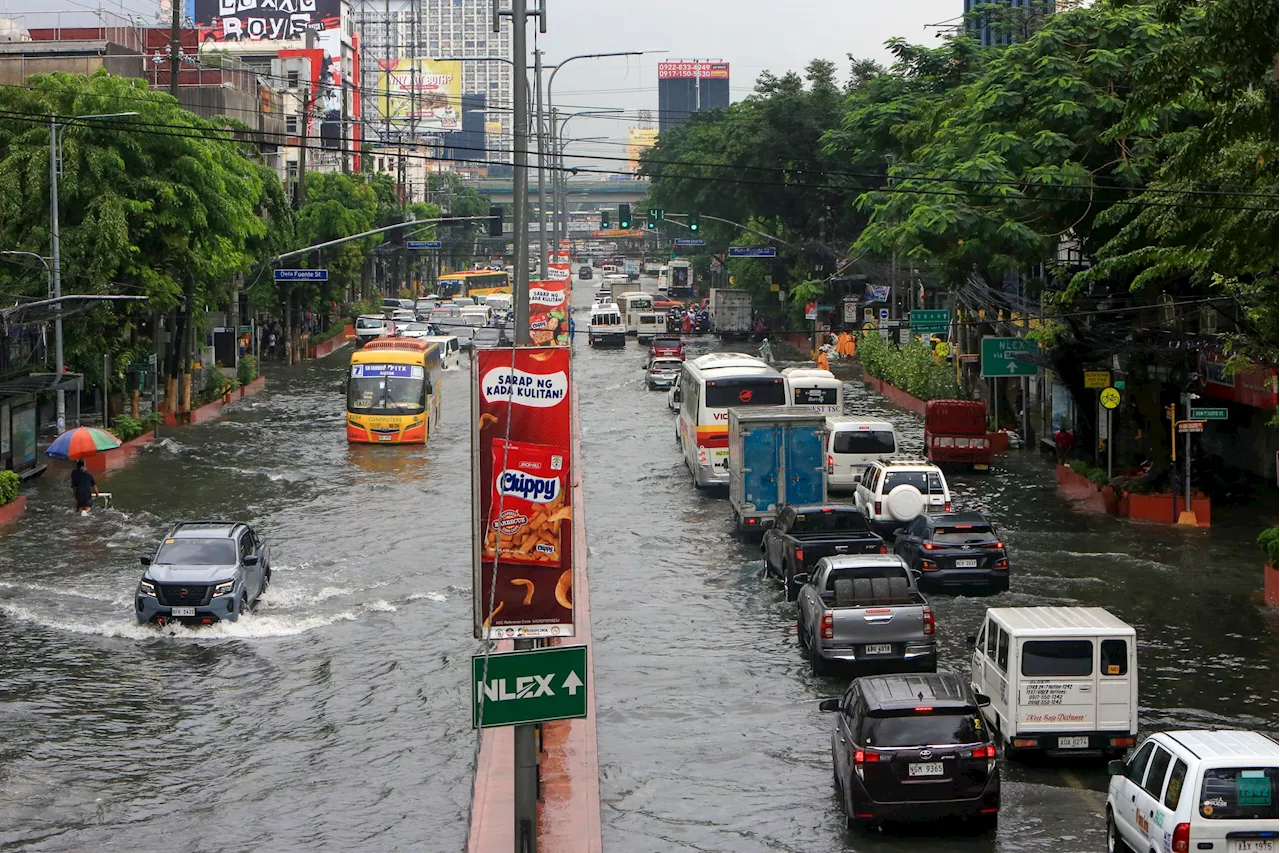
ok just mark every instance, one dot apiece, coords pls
pixel 572 683
pixel 1012 366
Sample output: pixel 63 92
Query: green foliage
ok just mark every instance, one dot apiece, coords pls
pixel 336 328
pixel 127 428
pixel 355 309
pixel 247 370
pixel 216 384
pixel 910 368
pixel 8 487
pixel 1098 476
pixel 1269 541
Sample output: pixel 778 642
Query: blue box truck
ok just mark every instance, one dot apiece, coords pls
pixel 776 458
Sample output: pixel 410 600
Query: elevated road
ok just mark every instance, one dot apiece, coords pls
pixel 581 193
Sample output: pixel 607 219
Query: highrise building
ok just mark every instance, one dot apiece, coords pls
pixel 689 86
pixel 1006 27
pixel 400 39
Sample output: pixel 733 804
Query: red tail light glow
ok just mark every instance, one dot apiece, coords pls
pixel 946 507
pixel 800 554
pixel 928 621
pixel 865 756
pixel 1182 838
pixel 831 464
pixel 929 546
pixel 923 709
pixel 828 628
pixel 928 566
pixel 877 509
pixel 884 550
pixel 1002 564
pixel 988 751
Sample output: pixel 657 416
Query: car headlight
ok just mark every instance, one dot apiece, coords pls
pixel 224 588
pixel 146 587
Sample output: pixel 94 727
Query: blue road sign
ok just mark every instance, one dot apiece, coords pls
pixel 302 275
pixel 752 252
pixel 422 244
pixel 689 242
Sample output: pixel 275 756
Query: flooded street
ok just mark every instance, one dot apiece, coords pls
pixel 336 716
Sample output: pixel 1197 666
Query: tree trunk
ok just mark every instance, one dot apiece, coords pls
pixel 188 344
pixel 288 327
pixel 177 329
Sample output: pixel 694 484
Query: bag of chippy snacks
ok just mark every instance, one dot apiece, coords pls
pixel 529 499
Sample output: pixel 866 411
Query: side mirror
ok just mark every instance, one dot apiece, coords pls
pixel 972 641
pixel 829 705
pixel 800 578
pixel 983 699
pixel 1116 767
pixel 251 560
pixel 676 397
pixel 857 479
pixel 145 560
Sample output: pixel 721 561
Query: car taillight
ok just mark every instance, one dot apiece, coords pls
pixel 877 508
pixel 865 756
pixel 799 555
pixel 996 544
pixel 831 464
pixel 928 546
pixel 928 566
pixel 988 751
pixel 1182 838
pixel 928 621
pixel 884 550
pixel 828 629
pixel 752 521
pixel 946 507
pixel 1122 741
pixel 1002 564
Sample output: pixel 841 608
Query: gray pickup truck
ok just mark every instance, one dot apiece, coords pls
pixel 865 610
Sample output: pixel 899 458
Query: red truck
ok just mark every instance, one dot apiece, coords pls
pixel 956 431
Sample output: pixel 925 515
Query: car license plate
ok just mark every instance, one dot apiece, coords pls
pixel 1073 743
pixel 385 437
pixel 1254 845
pixel 182 611
pixel 932 768
pixel 878 649
pixel 966 564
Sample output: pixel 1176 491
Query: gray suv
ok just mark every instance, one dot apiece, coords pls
pixel 204 572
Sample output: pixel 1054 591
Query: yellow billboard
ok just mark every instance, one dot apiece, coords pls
pixel 638 139
pixel 425 94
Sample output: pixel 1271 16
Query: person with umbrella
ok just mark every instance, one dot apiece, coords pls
pixel 83 486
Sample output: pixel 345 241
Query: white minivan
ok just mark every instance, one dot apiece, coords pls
pixel 1196 790
pixel 853 444
pixel 814 389
pixel 1062 680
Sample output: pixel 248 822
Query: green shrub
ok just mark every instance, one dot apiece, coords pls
pixel 1079 466
pixel 1098 476
pixel 910 368
pixel 126 428
pixel 8 487
pixel 247 370
pixel 355 309
pixel 1268 541
pixel 338 327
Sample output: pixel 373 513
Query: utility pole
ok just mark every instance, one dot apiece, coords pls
pixel 304 132
pixel 55 166
pixel 175 33
pixel 542 192
pixel 346 119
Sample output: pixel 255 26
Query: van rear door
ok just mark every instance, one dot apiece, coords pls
pixel 760 455
pixel 1056 688
pixel 1117 676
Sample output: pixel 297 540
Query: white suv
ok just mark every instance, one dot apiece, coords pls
pixel 892 492
pixel 1196 790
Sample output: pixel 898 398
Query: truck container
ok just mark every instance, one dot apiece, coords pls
pixel 955 431
pixel 679 279
pixel 730 312
pixel 775 459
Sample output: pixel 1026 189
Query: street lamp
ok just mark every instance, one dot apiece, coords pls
pixel 560 183
pixel 56 126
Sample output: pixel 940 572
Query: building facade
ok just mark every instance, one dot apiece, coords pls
pixel 689 86
pixel 1014 23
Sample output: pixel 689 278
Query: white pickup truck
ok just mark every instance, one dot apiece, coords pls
pixel 865 610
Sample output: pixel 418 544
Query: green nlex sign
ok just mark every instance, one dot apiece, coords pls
pixel 1009 357
pixel 520 688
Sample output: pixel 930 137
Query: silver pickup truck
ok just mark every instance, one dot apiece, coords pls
pixel 865 609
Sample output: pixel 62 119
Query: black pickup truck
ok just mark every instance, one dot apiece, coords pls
pixel 803 535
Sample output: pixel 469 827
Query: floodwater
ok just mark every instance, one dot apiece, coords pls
pixel 336 716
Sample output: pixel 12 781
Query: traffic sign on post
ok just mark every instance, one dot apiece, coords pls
pixel 1209 414
pixel 521 688
pixel 1190 426
pixel 753 252
pixel 689 241
pixel 301 275
pixel 930 322
pixel 1109 398
pixel 1097 379
pixel 422 244
pixel 1008 357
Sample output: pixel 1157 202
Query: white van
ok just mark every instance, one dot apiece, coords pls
pixel 1062 680
pixel 814 389
pixel 650 324
pixel 450 349
pixel 477 315
pixel 852 445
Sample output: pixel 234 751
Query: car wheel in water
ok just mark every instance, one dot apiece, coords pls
pixel 985 824
pixel 244 605
pixel 1115 844
pixel 816 664
pixel 792 588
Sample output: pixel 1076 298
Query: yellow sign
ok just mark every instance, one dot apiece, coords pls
pixel 774 287
pixel 942 349
pixel 424 93
pixel 638 140
pixel 1109 397
pixel 1096 379
pixel 493 128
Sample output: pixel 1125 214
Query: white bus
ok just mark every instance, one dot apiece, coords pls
pixel 814 389
pixel 632 304
pixel 709 386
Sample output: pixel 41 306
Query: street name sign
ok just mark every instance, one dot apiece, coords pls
pixel 301 275
pixel 1209 414
pixel 422 244
pixel 1097 379
pixel 753 252
pixel 521 688
pixel 1008 357
pixel 930 322
pixel 689 241
pixel 1190 426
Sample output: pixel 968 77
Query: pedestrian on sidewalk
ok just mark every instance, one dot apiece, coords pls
pixel 271 343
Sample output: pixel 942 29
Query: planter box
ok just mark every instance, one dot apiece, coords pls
pixel 349 332
pixel 13 509
pixel 210 411
pixel 1270 584
pixel 121 456
pixel 1080 488
pixel 896 395
pixel 1159 509
pixel 321 350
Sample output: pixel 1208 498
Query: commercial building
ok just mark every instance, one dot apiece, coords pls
pixel 1003 29
pixel 689 86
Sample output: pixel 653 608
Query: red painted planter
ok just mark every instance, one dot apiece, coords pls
pixel 1080 488
pixel 349 332
pixel 112 460
pixel 209 411
pixel 896 395
pixel 321 350
pixel 1159 508
pixel 1270 585
pixel 13 509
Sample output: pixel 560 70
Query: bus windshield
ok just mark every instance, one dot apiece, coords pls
pixel 724 393
pixel 387 389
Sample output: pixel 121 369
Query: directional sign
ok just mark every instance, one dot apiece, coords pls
pixel 529 687
pixel 930 322
pixel 1109 397
pixel 302 275
pixel 1097 379
pixel 1209 414
pixel 412 245
pixel 884 313
pixel 752 252
pixel 689 241
pixel 1190 426
pixel 1008 357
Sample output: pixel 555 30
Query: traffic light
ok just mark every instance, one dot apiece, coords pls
pixel 604 218
pixel 624 216
pixel 655 216
pixel 495 221
pixel 693 222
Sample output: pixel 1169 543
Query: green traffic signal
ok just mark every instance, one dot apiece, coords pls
pixel 693 222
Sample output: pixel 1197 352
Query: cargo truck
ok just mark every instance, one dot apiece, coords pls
pixel 775 460
pixel 955 431
pixel 730 312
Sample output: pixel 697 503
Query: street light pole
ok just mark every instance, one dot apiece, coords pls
pixel 542 192
pixel 560 180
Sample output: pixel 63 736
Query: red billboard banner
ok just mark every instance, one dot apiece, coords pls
pixel 549 310
pixel 522 524
pixel 694 69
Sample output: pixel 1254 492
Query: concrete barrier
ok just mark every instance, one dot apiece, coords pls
pixel 329 346
pixel 1270 585
pixel 13 509
pixel 209 411
pixel 112 460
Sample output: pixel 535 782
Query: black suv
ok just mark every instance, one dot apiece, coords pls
pixel 954 550
pixel 911 747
